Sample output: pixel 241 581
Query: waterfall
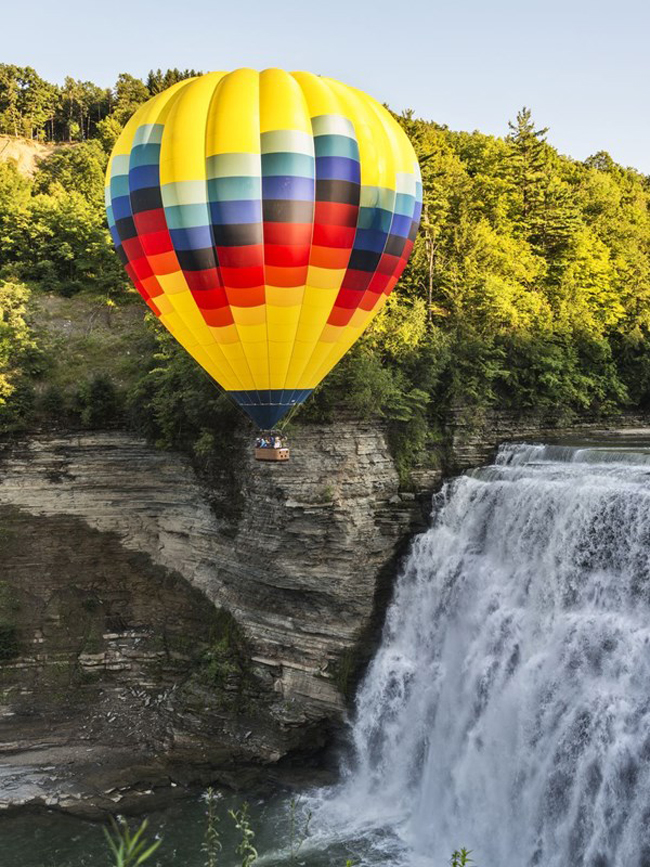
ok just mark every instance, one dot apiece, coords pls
pixel 508 706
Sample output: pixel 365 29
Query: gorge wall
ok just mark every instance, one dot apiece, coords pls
pixel 157 631
pixel 152 629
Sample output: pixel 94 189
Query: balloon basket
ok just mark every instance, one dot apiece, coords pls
pixel 267 454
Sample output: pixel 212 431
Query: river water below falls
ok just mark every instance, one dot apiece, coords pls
pixel 508 706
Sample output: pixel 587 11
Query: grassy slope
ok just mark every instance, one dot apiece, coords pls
pixel 82 336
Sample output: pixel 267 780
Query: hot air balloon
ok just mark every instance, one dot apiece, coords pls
pixel 264 217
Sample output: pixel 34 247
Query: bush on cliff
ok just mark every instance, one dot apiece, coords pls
pixel 16 340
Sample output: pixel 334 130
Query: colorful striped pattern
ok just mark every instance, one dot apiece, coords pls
pixel 265 218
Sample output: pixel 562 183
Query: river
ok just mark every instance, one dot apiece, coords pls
pixel 507 708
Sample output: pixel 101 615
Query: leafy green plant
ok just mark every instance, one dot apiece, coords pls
pixel 98 401
pixel 129 848
pixel 211 846
pixel 460 858
pixel 245 848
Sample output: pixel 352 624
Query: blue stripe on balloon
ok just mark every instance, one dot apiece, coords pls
pixel 370 239
pixel 122 208
pixel 267 406
pixel 338 169
pixel 401 225
pixel 143 177
pixel 119 186
pixel 286 187
pixel 404 204
pixel 226 213
pixel 194 238
pixel 186 216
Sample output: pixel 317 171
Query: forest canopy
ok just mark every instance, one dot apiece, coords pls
pixel 529 284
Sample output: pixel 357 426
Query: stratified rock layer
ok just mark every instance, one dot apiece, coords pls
pixel 156 628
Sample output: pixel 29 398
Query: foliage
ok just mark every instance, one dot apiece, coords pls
pixel 15 338
pixel 130 848
pixel 9 644
pixel 221 664
pixel 211 846
pixel 157 80
pixel 176 404
pixel 35 108
pixel 460 858
pixel 97 402
pixel 27 102
pixel 79 169
pixel 245 848
pixel 52 231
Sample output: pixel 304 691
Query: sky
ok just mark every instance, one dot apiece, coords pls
pixel 582 67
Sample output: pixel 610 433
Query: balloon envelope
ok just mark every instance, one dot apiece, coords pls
pixel 265 218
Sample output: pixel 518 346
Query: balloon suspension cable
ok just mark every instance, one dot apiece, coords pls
pixel 285 421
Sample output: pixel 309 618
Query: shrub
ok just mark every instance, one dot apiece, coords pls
pixel 98 402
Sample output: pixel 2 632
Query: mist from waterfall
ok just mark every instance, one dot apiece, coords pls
pixel 508 706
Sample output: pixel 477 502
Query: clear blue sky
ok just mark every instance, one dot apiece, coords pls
pixel 583 67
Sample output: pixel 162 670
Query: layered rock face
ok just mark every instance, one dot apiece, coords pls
pixel 148 620
pixel 154 628
pixel 474 436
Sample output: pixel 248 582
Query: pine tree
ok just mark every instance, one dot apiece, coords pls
pixel 528 158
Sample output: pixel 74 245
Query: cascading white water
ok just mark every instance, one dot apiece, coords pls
pixel 508 706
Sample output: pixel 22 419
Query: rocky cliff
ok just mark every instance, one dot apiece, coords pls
pixel 153 629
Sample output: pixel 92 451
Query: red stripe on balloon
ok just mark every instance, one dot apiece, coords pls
pixel 242 277
pixel 340 316
pixel 150 221
pixel 286 256
pixel 287 233
pixel 244 258
pixel 336 214
pixel 334 236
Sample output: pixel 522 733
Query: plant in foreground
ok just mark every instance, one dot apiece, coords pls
pixel 242 822
pixel 130 849
pixel 460 858
pixel 211 843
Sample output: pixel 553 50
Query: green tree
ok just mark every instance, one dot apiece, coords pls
pixel 27 102
pixel 108 132
pixel 130 93
pixel 528 158
pixel 157 80
pixel 80 169
pixel 15 337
